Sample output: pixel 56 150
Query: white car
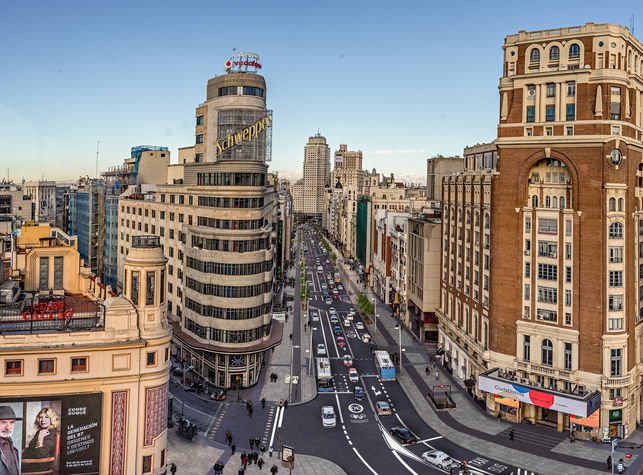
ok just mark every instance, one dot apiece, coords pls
pixel 332 311
pixel 439 458
pixel 324 286
pixel 353 377
pixel 321 349
pixel 347 322
pixel 359 325
pixel 315 316
pixel 328 301
pixel 334 320
pixel 328 416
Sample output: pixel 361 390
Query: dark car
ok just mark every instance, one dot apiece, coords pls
pixel 403 434
pixel 337 330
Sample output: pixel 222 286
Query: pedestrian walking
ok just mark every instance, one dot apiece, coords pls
pixel 172 468
pixel 250 411
pixel 244 460
pixel 437 375
pixel 427 371
pixel 499 417
pixel 228 437
pixel 270 450
pixel 274 469
pixel 263 403
pixel 242 470
pixel 609 462
pixel 285 404
pixel 255 457
pixel 305 327
pixel 257 442
pixel 511 434
pixel 234 448
pixel 571 437
pixel 260 463
pixel 290 337
pixel 251 441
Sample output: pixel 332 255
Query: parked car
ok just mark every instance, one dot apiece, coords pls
pixel 321 349
pixel 383 408
pixel 358 393
pixel 353 376
pixel 328 416
pixel 403 434
pixel 439 459
pixel 348 360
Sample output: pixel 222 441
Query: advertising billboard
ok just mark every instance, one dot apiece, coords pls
pixel 549 400
pixel 52 434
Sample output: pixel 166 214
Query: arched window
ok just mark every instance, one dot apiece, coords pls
pixel 534 56
pixel 574 51
pixel 487 221
pixel 616 231
pixel 561 202
pixel 612 204
pixel 554 202
pixel 554 53
pixel 621 204
pixel 547 202
pixel 534 201
pixel 547 353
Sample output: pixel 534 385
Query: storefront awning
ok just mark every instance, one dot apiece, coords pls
pixel 508 386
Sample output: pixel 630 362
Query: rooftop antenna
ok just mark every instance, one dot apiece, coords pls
pixel 632 23
pixel 97 145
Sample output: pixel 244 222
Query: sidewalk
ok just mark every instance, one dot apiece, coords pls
pixel 468 425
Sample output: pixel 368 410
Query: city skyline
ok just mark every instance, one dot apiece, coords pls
pixel 89 73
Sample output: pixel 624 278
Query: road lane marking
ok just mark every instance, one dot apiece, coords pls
pixel 431 439
pixel 404 463
pixel 274 427
pixel 281 416
pixel 339 409
pixel 364 461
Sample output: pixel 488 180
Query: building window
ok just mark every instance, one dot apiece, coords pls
pixel 527 293
pixel 568 275
pixel 44 273
pixel 13 368
pixel 554 53
pixel 531 113
pixel 570 112
pixel 616 362
pixel 198 158
pixel 526 312
pixel 58 272
pixel 147 464
pixel 546 315
pixel 162 464
pixel 568 319
pixel 615 393
pixel 568 298
pixel 199 120
pixel 167 354
pixel 616 254
pixel 571 89
pixel 616 130
pixel 534 56
pixel 79 365
pixel 615 303
pixel 47 366
pixel 551 89
pixel 547 226
pixel 134 287
pixel 615 323
pixel 151 358
pixel 527 269
pixel 549 131
pixel 547 294
pixel 547 353
pixel 616 231
pixel 616 278
pixel 568 356
pixel 569 130
pixel 529 131
pixel 550 113
pixel 526 348
pixel 199 138
pixel 547 271
pixel 574 51
pixel 162 287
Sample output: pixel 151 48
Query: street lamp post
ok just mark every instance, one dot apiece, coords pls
pixel 292 359
pixel 399 332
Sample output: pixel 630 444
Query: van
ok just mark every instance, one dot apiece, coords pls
pixel 9 292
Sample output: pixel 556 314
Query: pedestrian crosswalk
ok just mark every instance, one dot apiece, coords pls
pixel 217 419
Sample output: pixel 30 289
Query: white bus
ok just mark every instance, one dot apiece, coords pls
pixel 325 379
pixel 384 365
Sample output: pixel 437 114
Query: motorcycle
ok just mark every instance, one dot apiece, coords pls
pixel 219 395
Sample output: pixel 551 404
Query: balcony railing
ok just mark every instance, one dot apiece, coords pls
pixel 616 381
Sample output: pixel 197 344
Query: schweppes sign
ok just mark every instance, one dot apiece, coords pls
pixel 245 135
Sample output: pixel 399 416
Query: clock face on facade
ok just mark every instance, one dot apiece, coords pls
pixel 615 157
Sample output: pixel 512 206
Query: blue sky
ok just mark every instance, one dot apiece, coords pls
pixel 400 81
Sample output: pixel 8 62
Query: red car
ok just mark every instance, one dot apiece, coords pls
pixel 341 342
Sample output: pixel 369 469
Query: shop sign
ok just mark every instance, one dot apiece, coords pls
pixel 505 401
pixel 591 421
pixel 52 310
pixel 245 135
pixel 616 416
pixel 548 400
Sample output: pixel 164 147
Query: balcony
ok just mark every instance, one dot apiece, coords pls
pixel 616 381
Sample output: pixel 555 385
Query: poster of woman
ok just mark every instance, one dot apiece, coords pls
pixel 41 453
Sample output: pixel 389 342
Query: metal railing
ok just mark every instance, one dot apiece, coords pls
pixel 146 241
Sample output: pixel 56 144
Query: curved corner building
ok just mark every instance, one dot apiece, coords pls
pixel 218 229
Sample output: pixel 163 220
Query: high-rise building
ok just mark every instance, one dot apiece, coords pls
pixel 43 194
pixel 218 225
pixel 566 296
pixel 316 174
pixel 436 169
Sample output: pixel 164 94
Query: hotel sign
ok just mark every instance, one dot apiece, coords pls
pixel 245 135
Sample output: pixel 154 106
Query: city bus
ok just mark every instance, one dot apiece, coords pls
pixel 325 379
pixel 384 365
